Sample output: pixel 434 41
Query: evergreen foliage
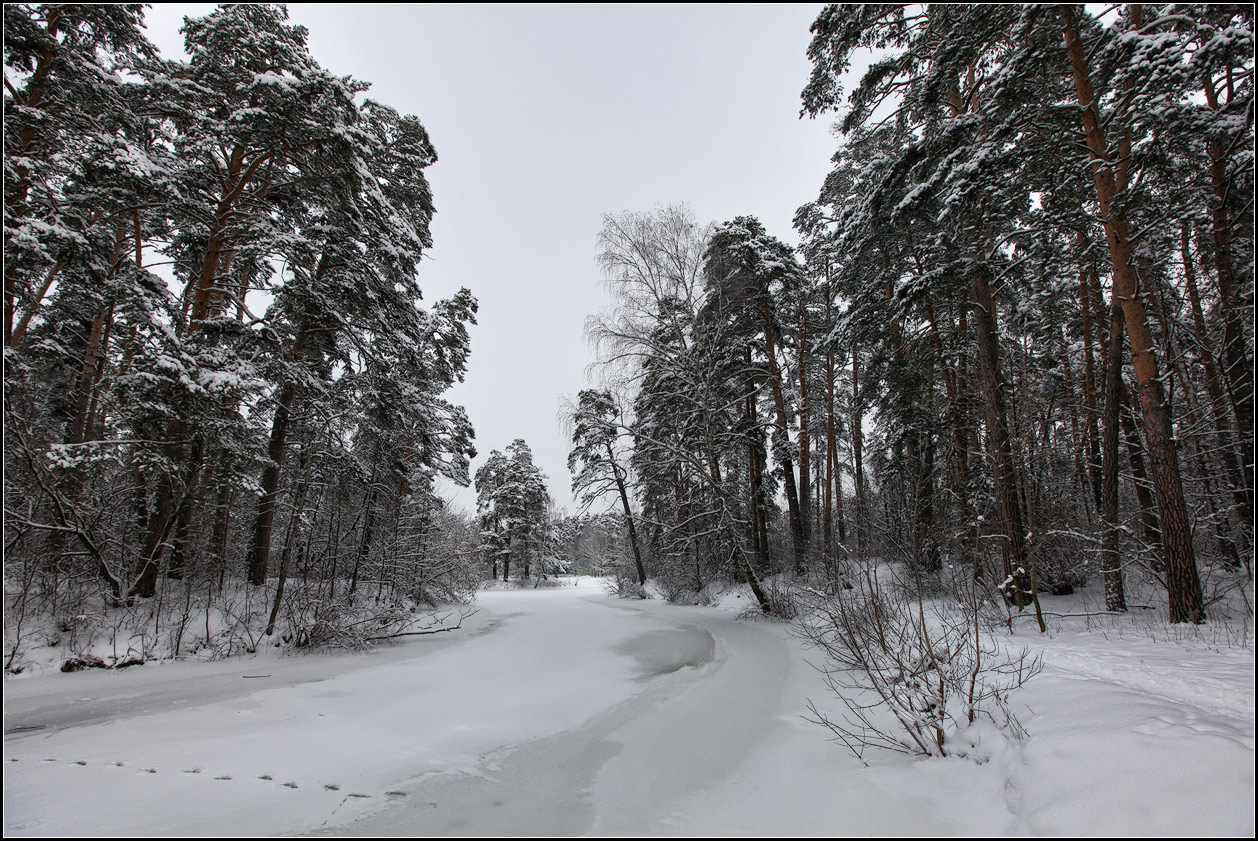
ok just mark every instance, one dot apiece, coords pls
pixel 272 404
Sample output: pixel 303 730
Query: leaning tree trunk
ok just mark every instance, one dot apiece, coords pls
pixel 624 501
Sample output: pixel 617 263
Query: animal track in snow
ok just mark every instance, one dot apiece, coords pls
pixel 197 770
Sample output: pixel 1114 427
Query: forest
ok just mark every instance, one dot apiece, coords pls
pixel 1009 357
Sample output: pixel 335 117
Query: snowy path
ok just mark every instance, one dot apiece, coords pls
pixel 561 712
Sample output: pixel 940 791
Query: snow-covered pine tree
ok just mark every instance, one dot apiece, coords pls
pixel 513 504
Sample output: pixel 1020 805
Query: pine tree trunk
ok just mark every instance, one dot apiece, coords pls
pixel 834 480
pixel 756 467
pixel 1089 394
pixel 17 192
pixel 222 521
pixel 1241 493
pixel 364 543
pixel 1016 585
pixel 1111 566
pixel 1237 366
pixel 788 468
pixel 294 523
pixel 858 470
pixel 264 519
pixel 1150 530
pixel 624 501
pixel 1183 583
pixel 951 379
pixel 805 481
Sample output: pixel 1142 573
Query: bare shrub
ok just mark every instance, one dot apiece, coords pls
pixel 910 672
pixel 624 585
pixel 312 621
pixel 781 601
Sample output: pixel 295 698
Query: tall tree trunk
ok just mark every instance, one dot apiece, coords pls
pixel 17 193
pixel 207 295
pixel 79 429
pixel 369 520
pixel 858 469
pixel 1078 434
pixel 1183 583
pixel 834 482
pixel 1017 584
pixel 798 537
pixel 955 412
pixel 805 482
pixel 1241 492
pixel 1150 529
pixel 221 529
pixel 624 501
pixel 1237 366
pixel 157 527
pixel 1089 392
pixel 1111 566
pixel 294 522
pixel 964 443
pixel 264 520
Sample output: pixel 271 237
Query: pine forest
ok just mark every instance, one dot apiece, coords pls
pixel 919 503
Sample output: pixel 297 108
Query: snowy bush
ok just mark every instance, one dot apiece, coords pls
pixel 624 585
pixel 781 601
pixel 911 673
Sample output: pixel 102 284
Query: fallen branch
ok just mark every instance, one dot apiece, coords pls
pixel 426 631
pixel 1081 615
pixel 414 633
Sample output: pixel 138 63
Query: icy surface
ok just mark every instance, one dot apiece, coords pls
pixel 562 712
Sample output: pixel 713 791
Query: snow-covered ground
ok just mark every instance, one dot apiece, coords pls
pixel 563 712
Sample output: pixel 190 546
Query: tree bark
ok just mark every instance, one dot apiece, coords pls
pixel 858 470
pixel 788 468
pixel 264 520
pixel 1111 567
pixel 1091 433
pixel 1183 583
pixel 364 543
pixel 17 194
pixel 1237 366
pixel 805 481
pixel 624 501
pixel 1241 492
pixel 290 538
pixel 1016 585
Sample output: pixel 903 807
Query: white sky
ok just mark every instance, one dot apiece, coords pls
pixel 546 117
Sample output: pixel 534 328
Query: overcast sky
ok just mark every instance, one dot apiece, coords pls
pixel 545 118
